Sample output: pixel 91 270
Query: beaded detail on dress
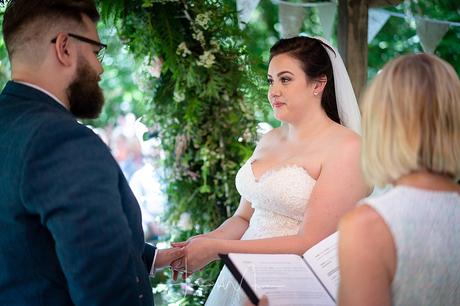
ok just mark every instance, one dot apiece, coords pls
pixel 279 198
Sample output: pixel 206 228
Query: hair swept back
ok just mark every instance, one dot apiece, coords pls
pixel 27 21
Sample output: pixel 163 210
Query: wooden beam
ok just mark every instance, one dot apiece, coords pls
pixel 383 3
pixel 352 39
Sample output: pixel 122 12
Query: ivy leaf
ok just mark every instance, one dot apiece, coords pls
pixel 147 3
pixel 205 189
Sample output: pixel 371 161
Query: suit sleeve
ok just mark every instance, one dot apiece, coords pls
pixel 71 181
pixel 149 257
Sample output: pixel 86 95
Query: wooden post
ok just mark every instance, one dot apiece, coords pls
pixel 352 39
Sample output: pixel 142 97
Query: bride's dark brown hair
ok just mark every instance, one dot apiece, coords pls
pixel 316 63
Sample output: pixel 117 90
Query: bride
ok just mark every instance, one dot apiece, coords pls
pixel 302 177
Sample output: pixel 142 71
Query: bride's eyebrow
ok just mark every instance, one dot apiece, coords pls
pixel 283 72
pixel 280 73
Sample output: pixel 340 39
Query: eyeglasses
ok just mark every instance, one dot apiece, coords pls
pixel 102 47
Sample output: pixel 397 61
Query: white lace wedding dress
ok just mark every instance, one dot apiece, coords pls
pixel 279 198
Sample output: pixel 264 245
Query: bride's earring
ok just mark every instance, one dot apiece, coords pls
pixel 315 93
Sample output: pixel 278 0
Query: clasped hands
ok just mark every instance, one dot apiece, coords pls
pixel 198 251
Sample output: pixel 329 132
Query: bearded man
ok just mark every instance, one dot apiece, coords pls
pixel 70 227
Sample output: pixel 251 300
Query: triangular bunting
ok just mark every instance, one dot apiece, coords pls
pixel 430 33
pixel 326 14
pixel 291 19
pixel 245 9
pixel 377 19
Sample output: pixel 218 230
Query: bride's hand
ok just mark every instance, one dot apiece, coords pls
pixel 175 275
pixel 199 252
pixel 181 244
pixel 179 264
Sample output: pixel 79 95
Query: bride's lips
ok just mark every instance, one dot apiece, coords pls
pixel 277 104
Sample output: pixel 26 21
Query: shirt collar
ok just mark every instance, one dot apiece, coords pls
pixel 44 91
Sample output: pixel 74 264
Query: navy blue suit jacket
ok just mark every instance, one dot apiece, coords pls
pixel 70 227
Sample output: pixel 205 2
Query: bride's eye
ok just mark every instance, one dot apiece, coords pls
pixel 270 82
pixel 285 80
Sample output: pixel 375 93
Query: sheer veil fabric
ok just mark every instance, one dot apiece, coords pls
pixel 280 197
pixel 347 105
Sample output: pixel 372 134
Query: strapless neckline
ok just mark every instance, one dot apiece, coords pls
pixel 279 198
pixel 269 172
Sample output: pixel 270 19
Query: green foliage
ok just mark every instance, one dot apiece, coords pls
pixel 200 104
pixel 398 36
pixel 119 83
pixel 4 63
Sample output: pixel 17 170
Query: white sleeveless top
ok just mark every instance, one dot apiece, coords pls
pixel 279 198
pixel 426 230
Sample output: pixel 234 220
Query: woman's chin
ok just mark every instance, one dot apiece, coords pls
pixel 280 116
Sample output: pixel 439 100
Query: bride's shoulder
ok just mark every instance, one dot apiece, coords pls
pixel 344 140
pixel 346 136
pixel 272 136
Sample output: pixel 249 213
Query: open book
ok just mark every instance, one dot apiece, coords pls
pixel 288 279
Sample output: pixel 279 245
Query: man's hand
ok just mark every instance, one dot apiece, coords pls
pixel 166 256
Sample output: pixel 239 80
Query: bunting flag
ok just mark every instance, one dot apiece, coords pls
pixel 291 19
pixel 245 9
pixel 326 14
pixel 377 19
pixel 430 33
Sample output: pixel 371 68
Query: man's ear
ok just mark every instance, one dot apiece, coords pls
pixel 319 85
pixel 65 51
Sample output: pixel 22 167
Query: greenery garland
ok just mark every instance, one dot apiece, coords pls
pixel 200 103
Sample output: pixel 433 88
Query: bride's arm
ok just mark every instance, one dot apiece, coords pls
pixel 235 226
pixel 339 186
pixel 232 228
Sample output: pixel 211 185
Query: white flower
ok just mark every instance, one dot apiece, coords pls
pixel 214 44
pixel 207 59
pixel 183 50
pixel 203 20
pixel 185 222
pixel 199 36
pixel 179 96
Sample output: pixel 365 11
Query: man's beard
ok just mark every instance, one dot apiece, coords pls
pixel 85 96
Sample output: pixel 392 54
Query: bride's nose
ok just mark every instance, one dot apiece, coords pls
pixel 274 91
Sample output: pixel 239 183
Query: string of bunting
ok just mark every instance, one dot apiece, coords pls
pixel 430 31
pixel 450 23
pixel 291 16
pixel 304 4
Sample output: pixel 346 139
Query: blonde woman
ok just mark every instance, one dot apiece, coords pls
pixel 402 248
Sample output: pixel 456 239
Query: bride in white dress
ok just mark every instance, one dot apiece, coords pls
pixel 302 177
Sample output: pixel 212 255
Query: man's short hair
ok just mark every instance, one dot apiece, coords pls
pixel 26 22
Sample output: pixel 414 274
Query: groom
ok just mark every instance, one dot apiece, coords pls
pixel 70 227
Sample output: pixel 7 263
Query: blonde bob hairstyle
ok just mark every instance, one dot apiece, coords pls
pixel 411 120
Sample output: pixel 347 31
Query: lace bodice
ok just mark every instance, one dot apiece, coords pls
pixel 279 198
